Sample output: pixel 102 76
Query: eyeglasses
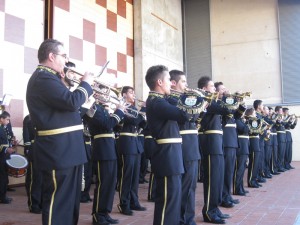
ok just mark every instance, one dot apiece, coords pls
pixel 62 55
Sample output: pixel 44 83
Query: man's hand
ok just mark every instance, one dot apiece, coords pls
pixel 88 77
pixel 10 150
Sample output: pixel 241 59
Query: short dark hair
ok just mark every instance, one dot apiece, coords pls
pixel 48 46
pixel 69 64
pixel 270 108
pixel 153 74
pixel 277 108
pixel 285 109
pixel 217 84
pixel 203 81
pixel 175 74
pixel 4 115
pixel 257 103
pixel 249 111
pixel 125 89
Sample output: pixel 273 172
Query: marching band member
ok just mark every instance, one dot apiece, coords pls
pixel 273 134
pixel 230 142
pixel 291 124
pixel 242 154
pixel 213 158
pixel 33 180
pixel 5 151
pixel 149 146
pixel 166 161
pixel 267 144
pixel 281 137
pixel 258 107
pixel 101 127
pixel 68 79
pixel 130 150
pixel 254 150
pixel 59 142
pixel 190 153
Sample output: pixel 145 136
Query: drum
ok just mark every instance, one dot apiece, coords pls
pixel 17 165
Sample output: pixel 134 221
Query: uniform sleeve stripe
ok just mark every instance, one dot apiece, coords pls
pixel 84 92
pixel 116 117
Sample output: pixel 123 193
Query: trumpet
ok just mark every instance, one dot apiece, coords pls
pixel 207 96
pixel 276 116
pixel 292 118
pixel 98 86
pixel 240 96
pixel 140 103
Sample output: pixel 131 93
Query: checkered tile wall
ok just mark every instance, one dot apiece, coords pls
pixel 94 31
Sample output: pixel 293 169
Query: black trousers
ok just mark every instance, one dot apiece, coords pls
pixel 61 196
pixel 288 154
pixel 189 184
pixel 129 181
pixel 88 174
pixel 33 185
pixel 239 171
pixel 213 183
pixel 274 159
pixel 253 167
pixel 105 186
pixel 151 187
pixel 229 162
pixel 3 177
pixel 268 156
pixel 143 167
pixel 167 201
pixel 281 154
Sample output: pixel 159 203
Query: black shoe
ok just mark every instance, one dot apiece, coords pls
pixel 85 199
pixel 253 185
pixel 214 219
pixel 10 189
pixel 224 216
pixel 291 167
pixel 99 220
pixel 227 204
pixel 275 173
pixel 235 201
pixel 261 180
pixel 281 170
pixel 268 176
pixel 246 192
pixel 35 210
pixel 138 208
pixel 111 220
pixel 5 200
pixel 240 193
pixel 125 211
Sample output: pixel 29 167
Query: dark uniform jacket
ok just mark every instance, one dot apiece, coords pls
pixel 28 137
pixel 163 119
pixel 243 133
pixel 211 122
pixel 128 141
pixel 190 141
pixel 54 111
pixel 230 139
pixel 100 125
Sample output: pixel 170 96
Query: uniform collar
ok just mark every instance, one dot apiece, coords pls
pixel 156 94
pixel 41 67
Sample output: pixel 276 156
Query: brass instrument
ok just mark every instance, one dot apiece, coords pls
pixel 258 126
pixel 104 92
pixel 276 116
pixel 292 118
pixel 208 96
pixel 242 95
